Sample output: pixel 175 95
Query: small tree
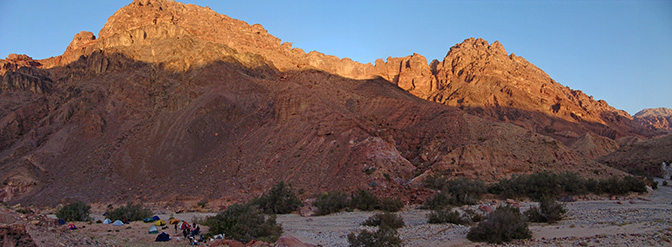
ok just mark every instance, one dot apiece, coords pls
pixel 502 225
pixel 281 199
pixel 387 219
pixel 130 212
pixel 74 211
pixel 383 237
pixel 549 210
pixel 364 200
pixel 330 202
pixel 443 216
pixel 245 222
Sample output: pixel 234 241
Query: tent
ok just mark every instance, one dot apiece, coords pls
pixel 147 220
pixel 156 217
pixel 61 222
pixel 72 226
pixel 153 230
pixel 160 223
pixel 183 225
pixel 163 237
pixel 173 221
pixel 107 221
pixel 118 223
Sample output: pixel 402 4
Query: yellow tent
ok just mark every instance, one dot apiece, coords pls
pixel 160 223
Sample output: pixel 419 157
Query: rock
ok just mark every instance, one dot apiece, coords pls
pixel 15 235
pixel 290 241
pixel 226 242
pixel 307 211
pixel 485 208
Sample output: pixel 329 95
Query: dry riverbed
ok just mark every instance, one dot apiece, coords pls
pixel 627 221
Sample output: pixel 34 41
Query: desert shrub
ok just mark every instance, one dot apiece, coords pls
pixel 435 181
pixel 549 211
pixel 74 211
pixel 364 200
pixel 245 222
pixel 24 211
pixel 391 204
pixel 465 191
pixel 130 212
pixel 439 201
pixel 445 216
pixel 280 199
pixel 665 183
pixel 330 202
pixel 502 225
pixel 383 237
pixel 541 184
pixel 619 186
pixel 386 219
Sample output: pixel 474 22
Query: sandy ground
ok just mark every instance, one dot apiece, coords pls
pixel 633 221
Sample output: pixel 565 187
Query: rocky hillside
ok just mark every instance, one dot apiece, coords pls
pixel 655 118
pixel 175 102
pixel 642 157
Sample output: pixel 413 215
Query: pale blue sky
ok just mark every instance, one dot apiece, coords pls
pixel 619 51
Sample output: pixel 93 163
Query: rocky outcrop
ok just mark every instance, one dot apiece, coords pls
pixel 593 146
pixel 15 235
pixel 655 118
pixel 642 157
pixel 178 94
pixel 485 80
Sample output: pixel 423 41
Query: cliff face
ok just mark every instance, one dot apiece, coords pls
pixel 180 95
pixel 655 119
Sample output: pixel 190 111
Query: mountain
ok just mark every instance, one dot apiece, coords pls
pixel 655 118
pixel 642 157
pixel 176 102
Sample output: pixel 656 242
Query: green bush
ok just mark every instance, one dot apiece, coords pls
pixel 546 184
pixel 549 211
pixel 130 212
pixel 456 192
pixel 281 199
pixel 74 211
pixel 330 202
pixel 435 181
pixel 439 201
pixel 244 223
pixel 383 237
pixel 465 191
pixel 391 204
pixel 445 216
pixel 386 219
pixel 364 200
pixel 620 186
pixel 502 225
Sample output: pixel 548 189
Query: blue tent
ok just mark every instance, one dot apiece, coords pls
pixel 156 217
pixel 163 237
pixel 118 223
pixel 61 222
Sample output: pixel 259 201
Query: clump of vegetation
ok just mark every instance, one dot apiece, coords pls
pixel 391 204
pixel 244 223
pixel 330 202
pixel 24 211
pixel 387 219
pixel 549 211
pixel 502 225
pixel 382 237
pixel 130 212
pixel 203 203
pixel 281 199
pixel 456 192
pixel 546 184
pixel 439 201
pixel 74 211
pixel 364 200
pixel 444 216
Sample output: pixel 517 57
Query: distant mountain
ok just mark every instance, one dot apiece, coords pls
pixel 655 118
pixel 176 102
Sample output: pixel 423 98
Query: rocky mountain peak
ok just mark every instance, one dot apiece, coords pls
pixel 655 119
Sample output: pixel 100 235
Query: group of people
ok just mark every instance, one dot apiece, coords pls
pixel 191 233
